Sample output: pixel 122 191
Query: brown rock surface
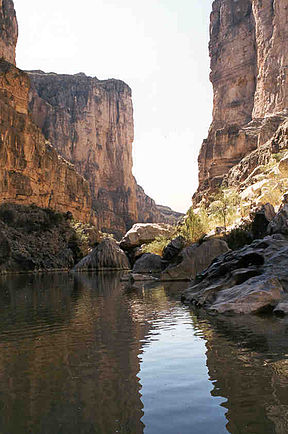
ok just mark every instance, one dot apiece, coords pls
pixel 249 58
pixel 90 122
pixel 31 169
pixel 194 259
pixel 8 31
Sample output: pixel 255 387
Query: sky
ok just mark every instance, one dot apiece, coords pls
pixel 160 49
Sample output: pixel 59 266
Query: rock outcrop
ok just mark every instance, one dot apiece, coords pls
pixel 8 31
pixel 194 259
pixel 106 256
pixel 148 263
pixel 34 239
pixel 249 280
pixel 249 58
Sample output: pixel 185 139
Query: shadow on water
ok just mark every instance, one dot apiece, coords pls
pixel 80 354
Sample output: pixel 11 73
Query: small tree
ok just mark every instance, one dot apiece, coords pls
pixel 224 205
pixel 192 228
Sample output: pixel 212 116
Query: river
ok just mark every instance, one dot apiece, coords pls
pixel 82 354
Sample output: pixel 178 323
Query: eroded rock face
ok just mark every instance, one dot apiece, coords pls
pixel 249 56
pixel 90 122
pixel 35 239
pixel 8 31
pixel 31 171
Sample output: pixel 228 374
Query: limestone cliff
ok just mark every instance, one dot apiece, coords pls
pixel 249 64
pixel 90 121
pixel 8 30
pixel 31 170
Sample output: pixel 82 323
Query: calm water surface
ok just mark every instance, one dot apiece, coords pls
pixel 79 354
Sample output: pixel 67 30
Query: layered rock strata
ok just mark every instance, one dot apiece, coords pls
pixel 31 169
pixel 249 63
pixel 90 122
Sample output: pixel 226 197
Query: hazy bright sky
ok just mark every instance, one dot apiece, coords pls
pixel 159 48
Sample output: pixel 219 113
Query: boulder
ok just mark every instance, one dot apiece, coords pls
pixel 261 220
pixel 144 233
pixel 173 248
pixel 148 263
pixel 194 259
pixel 106 256
pixel 249 280
pixel 254 295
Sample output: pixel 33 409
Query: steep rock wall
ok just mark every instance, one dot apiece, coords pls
pixel 91 124
pixel 8 31
pixel 249 59
pixel 31 170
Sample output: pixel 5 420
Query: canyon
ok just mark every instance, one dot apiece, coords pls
pixel 66 143
pixel 249 73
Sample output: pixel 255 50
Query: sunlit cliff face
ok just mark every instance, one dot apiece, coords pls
pixel 249 55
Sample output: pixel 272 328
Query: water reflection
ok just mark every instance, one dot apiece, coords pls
pixel 79 354
pixel 247 358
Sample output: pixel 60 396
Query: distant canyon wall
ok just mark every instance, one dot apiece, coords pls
pixel 249 73
pixel 90 122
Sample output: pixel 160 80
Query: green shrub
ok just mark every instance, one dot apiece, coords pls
pixel 239 237
pixel 193 227
pixel 157 246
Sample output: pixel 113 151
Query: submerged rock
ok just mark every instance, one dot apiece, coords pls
pixel 194 259
pixel 107 255
pixel 143 233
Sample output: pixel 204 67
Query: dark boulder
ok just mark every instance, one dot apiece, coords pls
pixel 106 256
pixel 148 263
